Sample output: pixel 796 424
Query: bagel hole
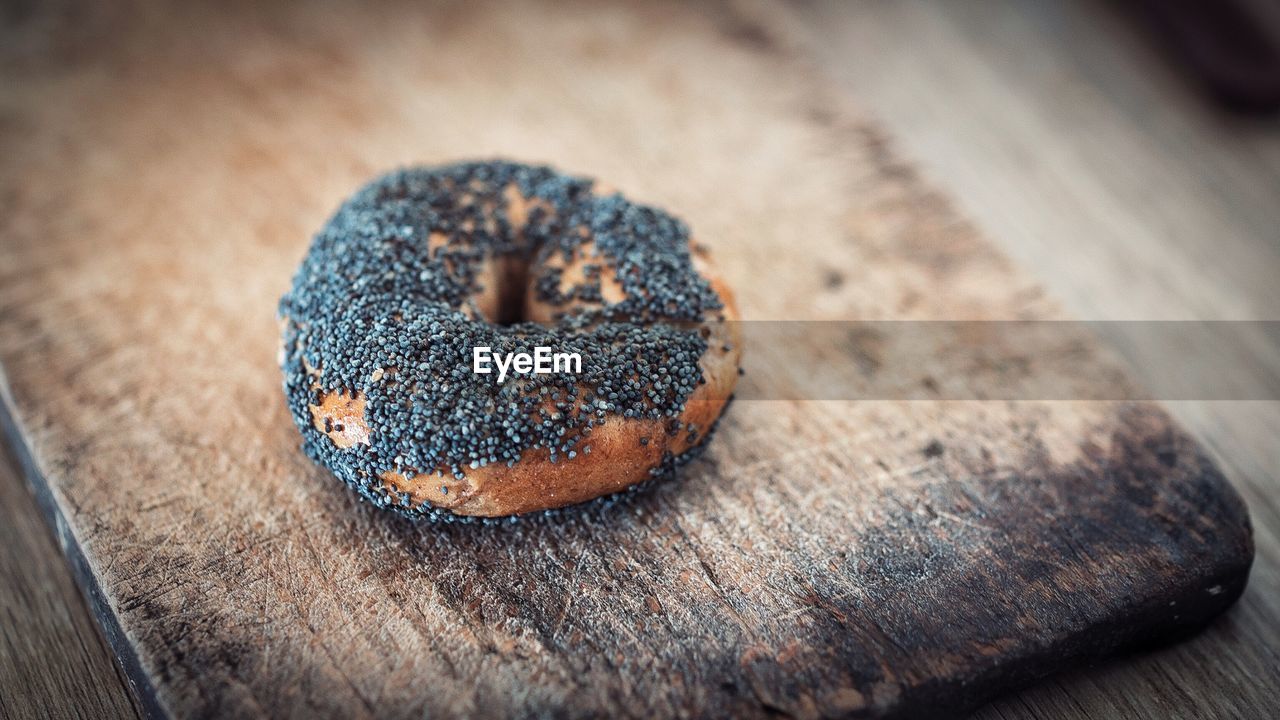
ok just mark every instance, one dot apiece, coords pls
pixel 512 307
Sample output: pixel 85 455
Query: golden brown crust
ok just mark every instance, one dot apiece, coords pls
pixel 340 415
pixel 618 458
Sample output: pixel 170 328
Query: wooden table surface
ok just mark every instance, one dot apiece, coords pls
pixel 1068 141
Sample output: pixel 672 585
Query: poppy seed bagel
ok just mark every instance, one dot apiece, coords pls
pixel 423 265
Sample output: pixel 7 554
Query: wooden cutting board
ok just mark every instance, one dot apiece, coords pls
pixel 163 171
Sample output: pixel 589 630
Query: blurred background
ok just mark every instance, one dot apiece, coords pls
pixel 1127 153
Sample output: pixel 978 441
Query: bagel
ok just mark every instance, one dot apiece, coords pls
pixel 423 266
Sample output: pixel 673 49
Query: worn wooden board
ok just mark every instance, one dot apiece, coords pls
pixel 1076 146
pixel 163 170
pixel 53 661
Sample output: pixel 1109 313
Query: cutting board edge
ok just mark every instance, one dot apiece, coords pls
pixel 123 650
pixel 1161 620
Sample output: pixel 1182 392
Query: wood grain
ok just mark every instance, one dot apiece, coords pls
pixel 1090 160
pixel 53 661
pixel 824 559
